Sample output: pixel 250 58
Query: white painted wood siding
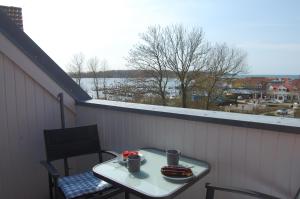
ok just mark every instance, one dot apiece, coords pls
pixel 266 161
pixel 26 109
pixel 28 67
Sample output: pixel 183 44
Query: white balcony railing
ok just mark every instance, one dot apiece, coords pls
pixel 249 157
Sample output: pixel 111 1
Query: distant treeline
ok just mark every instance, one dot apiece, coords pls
pixel 120 74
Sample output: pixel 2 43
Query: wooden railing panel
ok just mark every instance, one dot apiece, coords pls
pixel 263 160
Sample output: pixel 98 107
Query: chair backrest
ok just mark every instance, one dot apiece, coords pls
pixel 69 142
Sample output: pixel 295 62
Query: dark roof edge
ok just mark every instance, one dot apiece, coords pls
pixel 193 115
pixel 23 42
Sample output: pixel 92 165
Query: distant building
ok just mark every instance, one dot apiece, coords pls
pixel 15 14
pixel 251 82
pixel 280 89
pixel 284 89
pixel 296 84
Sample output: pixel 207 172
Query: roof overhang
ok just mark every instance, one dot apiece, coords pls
pixel 27 46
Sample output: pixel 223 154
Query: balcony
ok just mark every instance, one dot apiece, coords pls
pixel 257 152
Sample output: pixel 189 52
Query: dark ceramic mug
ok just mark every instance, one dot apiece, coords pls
pixel 173 157
pixel 133 163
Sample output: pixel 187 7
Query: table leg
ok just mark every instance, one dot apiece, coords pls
pixel 127 195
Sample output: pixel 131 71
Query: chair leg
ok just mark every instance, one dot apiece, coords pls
pixel 55 193
pixel 127 195
pixel 50 186
pixel 210 193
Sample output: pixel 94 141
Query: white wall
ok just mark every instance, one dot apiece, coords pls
pixel 266 161
pixel 26 109
pixel 30 68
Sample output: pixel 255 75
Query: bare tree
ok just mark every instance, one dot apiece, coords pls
pixel 223 63
pixel 186 52
pixel 76 67
pixel 149 56
pixel 94 68
pixel 104 68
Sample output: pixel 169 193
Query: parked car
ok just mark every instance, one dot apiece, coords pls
pixel 273 101
pixel 282 111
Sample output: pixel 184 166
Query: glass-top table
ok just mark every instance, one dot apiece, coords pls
pixel 149 182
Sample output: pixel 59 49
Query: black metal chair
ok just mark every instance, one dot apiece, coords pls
pixel 210 191
pixel 70 142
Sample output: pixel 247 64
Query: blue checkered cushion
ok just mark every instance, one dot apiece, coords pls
pixel 80 184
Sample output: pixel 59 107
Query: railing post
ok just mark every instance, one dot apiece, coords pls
pixel 62 112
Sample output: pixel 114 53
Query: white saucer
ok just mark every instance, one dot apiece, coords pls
pixel 178 179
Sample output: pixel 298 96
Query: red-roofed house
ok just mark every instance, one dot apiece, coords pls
pixel 296 84
pixel 284 89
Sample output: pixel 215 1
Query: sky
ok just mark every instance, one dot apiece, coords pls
pixel 268 30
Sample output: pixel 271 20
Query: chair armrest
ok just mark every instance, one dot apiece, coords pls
pixel 112 153
pixel 50 168
pixel 243 191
